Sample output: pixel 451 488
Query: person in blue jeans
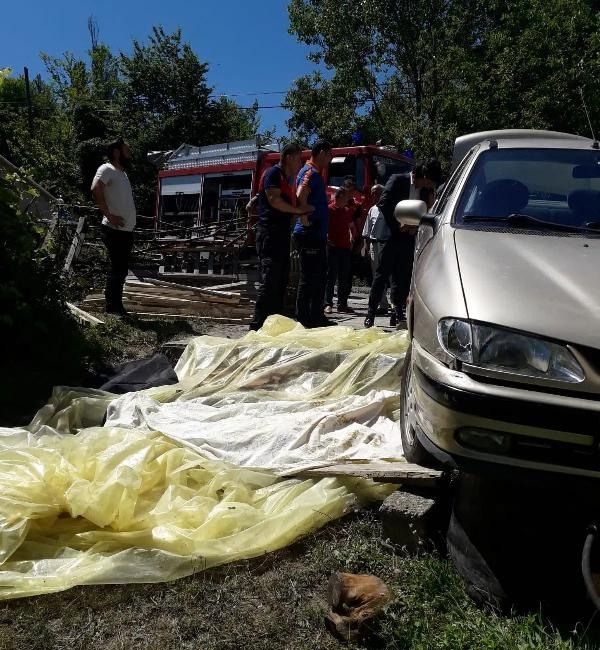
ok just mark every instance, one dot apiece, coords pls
pixel 276 206
pixel 310 237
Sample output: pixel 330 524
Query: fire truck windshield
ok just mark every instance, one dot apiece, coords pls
pixel 346 165
pixel 384 167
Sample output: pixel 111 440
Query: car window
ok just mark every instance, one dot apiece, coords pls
pixel 557 186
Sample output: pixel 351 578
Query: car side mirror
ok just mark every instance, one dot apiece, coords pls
pixel 410 212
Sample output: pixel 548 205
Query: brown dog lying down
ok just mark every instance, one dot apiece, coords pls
pixel 353 599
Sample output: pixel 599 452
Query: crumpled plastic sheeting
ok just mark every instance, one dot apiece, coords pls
pixel 283 398
pixel 117 504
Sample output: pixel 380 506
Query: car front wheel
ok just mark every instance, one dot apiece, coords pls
pixel 414 452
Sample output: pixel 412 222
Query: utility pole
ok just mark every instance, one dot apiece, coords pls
pixel 29 108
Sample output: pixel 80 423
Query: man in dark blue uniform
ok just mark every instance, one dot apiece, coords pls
pixel 310 237
pixel 276 205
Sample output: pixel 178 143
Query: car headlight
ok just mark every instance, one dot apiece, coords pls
pixel 499 349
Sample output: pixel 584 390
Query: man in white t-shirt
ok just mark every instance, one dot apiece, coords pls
pixel 112 192
pixel 375 233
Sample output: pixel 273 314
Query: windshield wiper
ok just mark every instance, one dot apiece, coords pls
pixel 519 218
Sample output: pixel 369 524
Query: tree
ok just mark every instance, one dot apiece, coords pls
pixel 165 101
pixel 156 96
pixel 538 55
pixel 86 91
pixel 394 58
pixel 43 152
pixel 419 72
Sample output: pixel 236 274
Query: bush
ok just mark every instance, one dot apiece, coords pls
pixel 40 343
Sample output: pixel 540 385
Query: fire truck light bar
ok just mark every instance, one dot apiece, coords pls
pixel 243 151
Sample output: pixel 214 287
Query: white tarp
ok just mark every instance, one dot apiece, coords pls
pixel 281 399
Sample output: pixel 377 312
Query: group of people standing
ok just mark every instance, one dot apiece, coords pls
pixel 279 197
pixel 325 235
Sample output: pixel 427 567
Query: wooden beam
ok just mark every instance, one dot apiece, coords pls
pixel 230 285
pixel 186 287
pixel 83 315
pixel 149 315
pixel 173 305
pixel 78 238
pixel 150 289
pixel 396 472
pixel 207 278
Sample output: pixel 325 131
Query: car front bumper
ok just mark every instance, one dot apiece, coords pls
pixel 542 431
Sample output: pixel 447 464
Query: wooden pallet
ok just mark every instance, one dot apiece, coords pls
pixel 158 297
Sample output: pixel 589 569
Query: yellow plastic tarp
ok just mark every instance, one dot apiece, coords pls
pixel 82 503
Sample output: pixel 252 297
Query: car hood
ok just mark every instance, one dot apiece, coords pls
pixel 540 283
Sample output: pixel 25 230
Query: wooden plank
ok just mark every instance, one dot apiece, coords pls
pixel 188 306
pixel 151 289
pixel 169 309
pixel 181 306
pixel 152 315
pixel 206 278
pixel 83 315
pixel 160 292
pixel 185 287
pixel 78 238
pixel 205 309
pixel 396 472
pixel 230 285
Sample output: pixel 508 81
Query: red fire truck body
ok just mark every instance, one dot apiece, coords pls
pixel 203 191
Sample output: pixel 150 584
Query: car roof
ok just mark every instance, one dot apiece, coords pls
pixel 518 138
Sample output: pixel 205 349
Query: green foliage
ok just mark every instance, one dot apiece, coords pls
pixel 40 344
pixel 165 101
pixel 417 74
pixel 44 152
pixel 156 96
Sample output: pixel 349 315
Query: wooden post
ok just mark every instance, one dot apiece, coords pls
pixel 75 245
pixel 29 107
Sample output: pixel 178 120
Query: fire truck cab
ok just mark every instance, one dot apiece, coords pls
pixel 211 185
pixel 203 191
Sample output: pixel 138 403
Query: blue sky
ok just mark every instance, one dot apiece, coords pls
pixel 245 42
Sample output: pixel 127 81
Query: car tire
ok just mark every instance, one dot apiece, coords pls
pixel 414 452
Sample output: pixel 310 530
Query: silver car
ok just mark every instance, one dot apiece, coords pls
pixel 503 367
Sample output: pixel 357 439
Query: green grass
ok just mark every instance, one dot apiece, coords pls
pixel 278 601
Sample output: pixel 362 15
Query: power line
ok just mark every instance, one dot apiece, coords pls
pixel 113 110
pixel 212 96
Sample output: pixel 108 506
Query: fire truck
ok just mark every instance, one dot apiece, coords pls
pixel 201 220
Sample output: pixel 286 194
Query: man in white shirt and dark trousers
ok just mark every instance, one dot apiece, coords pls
pixel 112 192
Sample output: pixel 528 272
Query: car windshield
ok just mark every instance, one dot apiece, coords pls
pixel 534 188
